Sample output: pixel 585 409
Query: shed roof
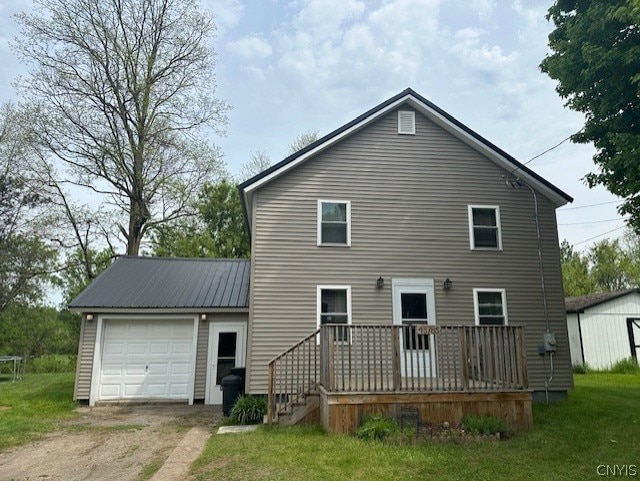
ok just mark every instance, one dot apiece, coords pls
pixel 580 303
pixel 168 283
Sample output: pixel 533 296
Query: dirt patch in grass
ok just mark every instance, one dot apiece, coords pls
pixel 4 408
pixel 106 443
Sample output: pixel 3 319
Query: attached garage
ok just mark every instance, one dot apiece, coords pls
pixel 147 359
pixel 147 329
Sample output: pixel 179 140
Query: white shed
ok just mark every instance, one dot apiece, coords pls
pixel 604 328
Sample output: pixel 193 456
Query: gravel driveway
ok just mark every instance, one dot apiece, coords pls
pixel 107 443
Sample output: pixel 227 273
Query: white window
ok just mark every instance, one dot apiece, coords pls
pixel 490 307
pixel 484 227
pixel 406 122
pixel 334 307
pixel 334 223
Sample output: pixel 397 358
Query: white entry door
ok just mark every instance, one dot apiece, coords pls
pixel 226 351
pixel 414 307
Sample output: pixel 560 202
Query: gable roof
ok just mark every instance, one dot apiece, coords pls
pixel 580 303
pixel 168 283
pixel 431 111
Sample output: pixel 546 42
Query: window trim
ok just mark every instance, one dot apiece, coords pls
pixel 476 309
pixel 472 238
pixel 319 223
pixel 319 289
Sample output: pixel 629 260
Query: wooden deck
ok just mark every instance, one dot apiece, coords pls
pixel 444 372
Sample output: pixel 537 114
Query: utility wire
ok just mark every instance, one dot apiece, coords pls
pixel 599 235
pixel 594 221
pixel 541 154
pixel 562 209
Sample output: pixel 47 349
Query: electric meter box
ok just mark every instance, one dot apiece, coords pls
pixel 549 342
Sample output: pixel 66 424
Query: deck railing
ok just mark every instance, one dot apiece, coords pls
pixel 422 358
pixel 293 375
pixel 391 358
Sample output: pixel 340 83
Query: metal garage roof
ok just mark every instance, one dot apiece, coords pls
pixel 168 283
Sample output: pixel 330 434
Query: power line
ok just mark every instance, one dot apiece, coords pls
pixel 590 205
pixel 594 221
pixel 547 151
pixel 599 235
pixel 542 153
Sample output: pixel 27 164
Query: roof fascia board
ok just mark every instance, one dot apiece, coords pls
pixel 431 111
pixel 484 149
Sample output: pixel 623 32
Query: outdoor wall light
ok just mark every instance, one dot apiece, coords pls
pixel 447 284
pixel 380 283
pixel 203 317
pixel 89 317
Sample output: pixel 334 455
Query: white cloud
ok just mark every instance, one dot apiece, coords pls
pixel 467 45
pixel 251 49
pixel 227 13
pixel 483 8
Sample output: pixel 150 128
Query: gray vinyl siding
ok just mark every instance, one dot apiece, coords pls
pixel 85 360
pixel 87 343
pixel 202 354
pixel 409 219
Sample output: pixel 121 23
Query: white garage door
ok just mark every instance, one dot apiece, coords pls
pixel 146 359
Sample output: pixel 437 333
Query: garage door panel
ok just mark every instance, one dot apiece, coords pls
pixel 179 369
pixel 146 359
pixel 156 348
pixel 181 348
pixel 110 391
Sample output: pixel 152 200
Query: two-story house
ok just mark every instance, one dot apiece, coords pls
pixel 401 254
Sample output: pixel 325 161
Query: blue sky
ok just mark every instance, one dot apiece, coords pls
pixel 290 66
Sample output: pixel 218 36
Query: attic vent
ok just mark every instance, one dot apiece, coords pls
pixel 406 122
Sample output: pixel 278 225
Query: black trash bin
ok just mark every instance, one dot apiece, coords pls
pixel 231 386
pixel 239 371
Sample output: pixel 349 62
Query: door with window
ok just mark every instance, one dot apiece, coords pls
pixel 414 310
pixel 226 351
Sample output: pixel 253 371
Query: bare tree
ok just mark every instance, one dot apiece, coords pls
pixel 258 162
pixel 120 91
pixel 302 140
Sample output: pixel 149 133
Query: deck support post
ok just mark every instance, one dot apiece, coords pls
pixel 397 375
pixel 464 362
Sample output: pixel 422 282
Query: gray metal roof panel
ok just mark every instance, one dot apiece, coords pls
pixel 165 283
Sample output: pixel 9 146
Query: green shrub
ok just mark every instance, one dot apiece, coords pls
pixel 248 410
pixel 581 368
pixel 484 425
pixel 53 363
pixel 625 366
pixel 377 427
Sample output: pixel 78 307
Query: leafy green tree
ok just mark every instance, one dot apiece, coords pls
pixel 612 267
pixel 26 261
pixel 576 277
pixel 595 57
pixel 219 231
pixel 34 331
pixel 81 268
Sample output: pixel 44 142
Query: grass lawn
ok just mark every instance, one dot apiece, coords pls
pixel 599 424
pixel 31 407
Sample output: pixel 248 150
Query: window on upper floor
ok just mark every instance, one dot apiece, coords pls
pixel 334 223
pixel 484 227
pixel 334 307
pixel 490 307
